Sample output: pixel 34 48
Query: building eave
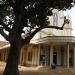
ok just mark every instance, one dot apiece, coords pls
pixel 6 46
pixel 57 39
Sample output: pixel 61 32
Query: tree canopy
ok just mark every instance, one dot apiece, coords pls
pixel 25 18
pixel 28 16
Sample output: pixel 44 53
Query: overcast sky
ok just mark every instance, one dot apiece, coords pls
pixel 72 15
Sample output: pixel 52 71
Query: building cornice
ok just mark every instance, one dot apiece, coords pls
pixel 59 39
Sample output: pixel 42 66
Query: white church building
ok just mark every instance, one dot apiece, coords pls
pixel 51 46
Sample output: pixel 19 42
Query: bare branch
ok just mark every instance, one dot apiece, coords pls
pixel 4 34
pixel 66 21
pixel 27 39
pixel 11 2
pixel 5 26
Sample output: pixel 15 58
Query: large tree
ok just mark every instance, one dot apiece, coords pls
pixel 25 17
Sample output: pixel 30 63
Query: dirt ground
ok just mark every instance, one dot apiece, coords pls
pixel 40 70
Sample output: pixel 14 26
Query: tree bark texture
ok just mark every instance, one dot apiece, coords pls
pixel 12 61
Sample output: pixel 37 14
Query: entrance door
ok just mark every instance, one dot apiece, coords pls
pixel 54 57
pixel 42 57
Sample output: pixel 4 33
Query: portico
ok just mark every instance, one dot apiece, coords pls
pixel 61 52
pixel 47 51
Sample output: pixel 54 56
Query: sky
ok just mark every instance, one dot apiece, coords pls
pixel 71 14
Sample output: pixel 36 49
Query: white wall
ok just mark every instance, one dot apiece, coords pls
pixel 67 31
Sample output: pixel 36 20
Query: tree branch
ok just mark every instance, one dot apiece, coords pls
pixel 5 26
pixel 27 39
pixel 66 21
pixel 4 34
pixel 38 29
pixel 11 2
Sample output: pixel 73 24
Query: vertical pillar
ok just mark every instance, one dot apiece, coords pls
pixel 51 55
pixel 23 58
pixel 47 56
pixel 58 55
pixel 20 62
pixel 74 58
pixel 68 56
pixel 39 55
pixel 65 56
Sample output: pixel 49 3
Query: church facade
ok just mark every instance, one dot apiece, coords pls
pixel 50 46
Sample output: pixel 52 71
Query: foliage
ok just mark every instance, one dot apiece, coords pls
pixel 20 20
pixel 27 17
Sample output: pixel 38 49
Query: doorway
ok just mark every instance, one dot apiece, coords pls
pixel 54 57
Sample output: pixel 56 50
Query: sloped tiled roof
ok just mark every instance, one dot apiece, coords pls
pixel 3 44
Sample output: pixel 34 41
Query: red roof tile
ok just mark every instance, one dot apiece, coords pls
pixel 3 43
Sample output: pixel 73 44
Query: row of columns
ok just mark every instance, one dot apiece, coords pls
pixel 74 57
pixel 67 56
pixel 4 54
pixel 51 55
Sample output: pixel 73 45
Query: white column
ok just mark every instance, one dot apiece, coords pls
pixel 58 55
pixel 20 62
pixel 65 56
pixel 74 58
pixel 68 56
pixel 23 58
pixel 39 55
pixel 51 55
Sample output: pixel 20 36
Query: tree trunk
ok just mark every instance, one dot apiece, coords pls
pixel 12 61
